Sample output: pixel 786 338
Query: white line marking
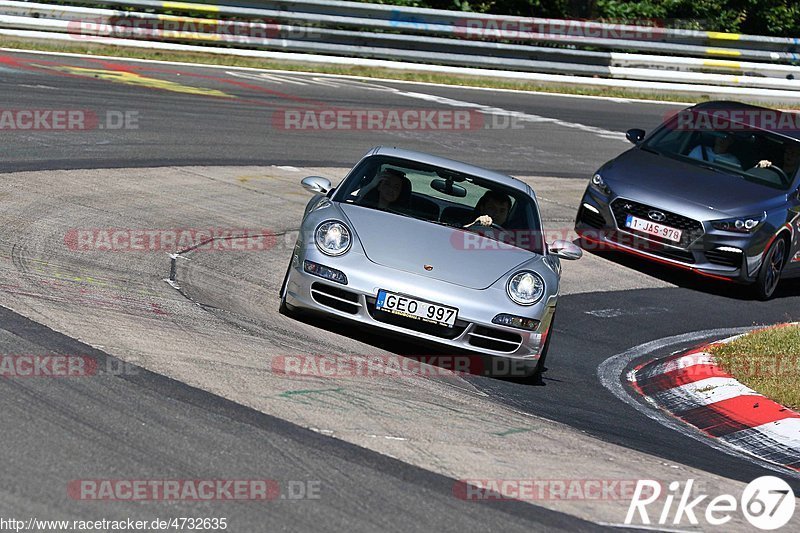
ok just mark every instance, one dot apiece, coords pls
pixel 37 86
pixel 610 374
pixel 388 437
pixel 520 116
pixel 613 313
pixel 646 528
pixel 264 76
pixel 318 80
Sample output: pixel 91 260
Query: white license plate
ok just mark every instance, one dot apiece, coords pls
pixel 659 230
pixel 416 309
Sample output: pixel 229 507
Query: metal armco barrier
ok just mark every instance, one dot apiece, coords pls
pixel 417 36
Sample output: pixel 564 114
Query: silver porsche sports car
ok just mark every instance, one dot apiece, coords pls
pixel 433 249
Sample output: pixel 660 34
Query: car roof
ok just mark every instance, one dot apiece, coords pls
pixel 730 105
pixel 450 164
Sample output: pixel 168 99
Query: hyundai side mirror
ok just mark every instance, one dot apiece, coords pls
pixel 565 250
pixel 316 184
pixel 635 135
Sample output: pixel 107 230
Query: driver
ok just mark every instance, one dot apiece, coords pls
pixel 791 157
pixel 492 208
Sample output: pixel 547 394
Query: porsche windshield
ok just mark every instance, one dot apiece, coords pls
pixel 444 197
pixel 730 148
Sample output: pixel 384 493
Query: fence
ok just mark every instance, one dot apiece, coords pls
pixel 646 55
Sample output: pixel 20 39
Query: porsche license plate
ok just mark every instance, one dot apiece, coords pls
pixel 416 309
pixel 652 228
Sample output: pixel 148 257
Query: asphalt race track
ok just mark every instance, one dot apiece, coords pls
pixel 233 124
pixel 201 147
pixel 95 425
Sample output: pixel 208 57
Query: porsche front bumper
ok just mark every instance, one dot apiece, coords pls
pixel 472 332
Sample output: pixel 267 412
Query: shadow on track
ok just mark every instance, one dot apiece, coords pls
pixel 786 289
pixel 474 365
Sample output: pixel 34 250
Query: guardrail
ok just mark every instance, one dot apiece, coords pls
pixel 423 36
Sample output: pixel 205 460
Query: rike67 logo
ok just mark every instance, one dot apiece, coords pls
pixel 766 502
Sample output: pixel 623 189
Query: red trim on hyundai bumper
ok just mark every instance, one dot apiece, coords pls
pixel 656 259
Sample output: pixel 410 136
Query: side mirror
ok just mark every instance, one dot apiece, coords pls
pixel 565 250
pixel 635 135
pixel 316 184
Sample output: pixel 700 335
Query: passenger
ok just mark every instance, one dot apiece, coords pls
pixel 393 190
pixel 717 153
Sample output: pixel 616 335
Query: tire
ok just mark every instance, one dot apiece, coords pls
pixel 770 273
pixel 285 309
pixel 536 374
pixel 282 291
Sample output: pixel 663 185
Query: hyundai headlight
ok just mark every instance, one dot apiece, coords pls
pixel 741 224
pixel 599 184
pixel 332 238
pixel 525 288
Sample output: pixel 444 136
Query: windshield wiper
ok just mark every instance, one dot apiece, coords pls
pixel 711 167
pixel 646 149
pixel 447 224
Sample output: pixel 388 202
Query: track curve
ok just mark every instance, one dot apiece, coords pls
pixel 219 338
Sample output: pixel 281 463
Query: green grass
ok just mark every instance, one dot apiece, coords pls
pixel 370 72
pixel 767 361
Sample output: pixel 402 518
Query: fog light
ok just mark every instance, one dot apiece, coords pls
pixel 729 249
pixel 324 272
pixel 516 322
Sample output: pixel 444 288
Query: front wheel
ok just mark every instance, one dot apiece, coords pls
pixel 536 375
pixel 285 309
pixel 771 269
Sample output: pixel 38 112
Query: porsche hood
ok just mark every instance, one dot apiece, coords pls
pixel 426 249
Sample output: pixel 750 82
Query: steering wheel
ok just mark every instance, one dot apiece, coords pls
pixel 500 232
pixel 779 171
pixel 481 226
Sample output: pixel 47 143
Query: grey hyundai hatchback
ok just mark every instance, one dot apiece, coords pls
pixel 713 190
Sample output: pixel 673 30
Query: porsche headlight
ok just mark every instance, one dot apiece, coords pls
pixel 525 288
pixel 332 238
